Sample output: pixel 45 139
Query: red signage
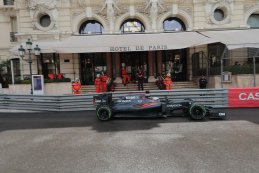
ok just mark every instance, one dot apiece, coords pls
pixel 243 97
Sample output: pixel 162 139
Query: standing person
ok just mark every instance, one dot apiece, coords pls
pixel 140 80
pixel 125 76
pixel 98 83
pixel 104 79
pixel 168 82
pixel 76 86
pixel 203 82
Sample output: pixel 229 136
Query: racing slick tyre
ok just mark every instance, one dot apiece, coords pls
pixel 197 112
pixel 103 112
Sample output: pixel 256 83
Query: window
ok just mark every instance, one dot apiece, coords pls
pixel 48 63
pixel 13 38
pixel 44 20
pixel 253 21
pixel 173 24
pixel 132 25
pixel 219 14
pixel 16 68
pixel 8 2
pixel 91 27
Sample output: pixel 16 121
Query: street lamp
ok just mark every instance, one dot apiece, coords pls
pixel 22 55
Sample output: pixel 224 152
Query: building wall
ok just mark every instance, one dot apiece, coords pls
pixel 69 15
pixel 5 29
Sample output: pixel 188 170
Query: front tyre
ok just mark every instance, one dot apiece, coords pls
pixel 103 112
pixel 197 112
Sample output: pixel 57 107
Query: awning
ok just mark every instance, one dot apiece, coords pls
pixel 131 42
pixel 235 39
pixel 45 46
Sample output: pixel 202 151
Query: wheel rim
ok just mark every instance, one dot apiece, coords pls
pixel 198 112
pixel 104 114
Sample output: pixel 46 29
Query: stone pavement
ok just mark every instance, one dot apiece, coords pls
pixel 65 142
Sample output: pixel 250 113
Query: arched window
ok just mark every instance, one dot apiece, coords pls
pixel 91 27
pixel 173 24
pixel 253 21
pixel 132 25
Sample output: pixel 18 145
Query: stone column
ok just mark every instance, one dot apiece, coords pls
pixel 109 64
pixel 118 68
pixel 159 62
pixel 150 62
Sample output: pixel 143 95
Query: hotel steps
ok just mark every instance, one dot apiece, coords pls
pixel 134 87
pixel 185 84
pixel 88 89
pixel 147 86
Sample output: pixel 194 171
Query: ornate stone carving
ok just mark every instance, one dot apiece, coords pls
pixel 248 7
pixel 110 6
pixel 39 8
pixel 227 6
pixel 187 9
pixel 84 3
pixel 48 4
pixel 154 6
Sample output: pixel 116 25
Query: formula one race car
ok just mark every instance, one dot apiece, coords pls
pixel 140 105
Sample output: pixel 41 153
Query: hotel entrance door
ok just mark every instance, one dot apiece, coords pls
pixel 133 61
pixel 91 64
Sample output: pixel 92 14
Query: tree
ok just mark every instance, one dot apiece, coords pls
pixel 5 73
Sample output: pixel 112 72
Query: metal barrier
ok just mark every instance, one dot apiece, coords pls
pixel 213 97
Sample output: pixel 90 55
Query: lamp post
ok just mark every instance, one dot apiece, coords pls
pixel 22 55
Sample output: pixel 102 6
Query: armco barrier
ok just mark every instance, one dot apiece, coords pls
pixel 213 97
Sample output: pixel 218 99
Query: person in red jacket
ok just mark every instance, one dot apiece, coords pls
pixel 76 86
pixel 125 76
pixel 104 79
pixel 98 83
pixel 168 82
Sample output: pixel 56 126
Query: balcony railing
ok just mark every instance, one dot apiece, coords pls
pixel 8 2
pixel 13 38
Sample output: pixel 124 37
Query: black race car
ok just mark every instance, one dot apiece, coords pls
pixel 144 105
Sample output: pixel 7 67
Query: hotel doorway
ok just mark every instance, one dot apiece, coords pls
pixel 133 61
pixel 91 64
pixel 175 63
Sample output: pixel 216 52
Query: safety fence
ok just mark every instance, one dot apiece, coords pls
pixel 213 97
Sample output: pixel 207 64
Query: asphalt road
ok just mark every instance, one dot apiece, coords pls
pixel 76 142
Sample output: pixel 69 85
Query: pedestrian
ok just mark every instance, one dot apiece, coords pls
pixel 168 81
pixel 76 86
pixel 203 82
pixel 140 79
pixel 104 79
pixel 98 83
pixel 125 76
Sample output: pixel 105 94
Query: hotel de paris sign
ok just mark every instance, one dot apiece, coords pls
pixel 137 48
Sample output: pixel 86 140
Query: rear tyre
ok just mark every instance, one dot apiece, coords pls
pixel 103 113
pixel 197 112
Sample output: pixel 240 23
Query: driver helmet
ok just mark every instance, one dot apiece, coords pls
pixel 98 75
pixel 168 74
